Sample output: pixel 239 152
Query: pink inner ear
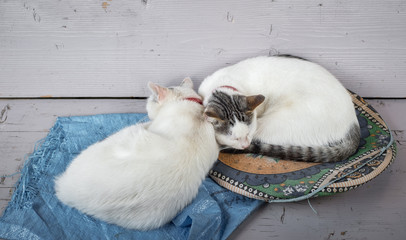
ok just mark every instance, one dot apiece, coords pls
pixel 187 82
pixel 161 92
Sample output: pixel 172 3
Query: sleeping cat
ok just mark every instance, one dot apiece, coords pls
pixel 296 110
pixel 143 175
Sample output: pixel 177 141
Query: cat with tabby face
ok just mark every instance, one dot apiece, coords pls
pixel 283 107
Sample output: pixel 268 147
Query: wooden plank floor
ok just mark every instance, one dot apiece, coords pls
pixel 103 48
pixel 110 49
pixel 374 211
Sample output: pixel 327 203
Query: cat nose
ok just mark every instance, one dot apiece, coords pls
pixel 245 144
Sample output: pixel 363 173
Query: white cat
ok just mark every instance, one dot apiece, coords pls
pixel 143 175
pixel 306 114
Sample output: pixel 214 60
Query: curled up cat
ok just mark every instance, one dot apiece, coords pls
pixel 143 175
pixel 283 107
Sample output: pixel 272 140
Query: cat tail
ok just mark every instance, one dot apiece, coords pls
pixel 335 152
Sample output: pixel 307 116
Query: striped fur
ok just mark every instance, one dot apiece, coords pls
pixel 233 117
pixel 307 114
pixel 231 108
pixel 328 153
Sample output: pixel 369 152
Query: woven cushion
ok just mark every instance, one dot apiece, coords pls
pixel 274 180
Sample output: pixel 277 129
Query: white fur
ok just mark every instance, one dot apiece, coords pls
pixel 304 104
pixel 241 137
pixel 143 175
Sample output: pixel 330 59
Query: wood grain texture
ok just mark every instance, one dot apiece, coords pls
pixel 40 115
pixel 112 48
pixel 373 211
pixel 15 147
pixel 5 196
pixel 27 121
pixel 23 123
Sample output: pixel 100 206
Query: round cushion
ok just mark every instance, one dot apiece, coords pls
pixel 274 180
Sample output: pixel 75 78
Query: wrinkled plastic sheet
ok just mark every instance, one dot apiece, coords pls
pixel 35 213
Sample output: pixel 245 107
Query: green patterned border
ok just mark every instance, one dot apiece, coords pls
pixel 376 154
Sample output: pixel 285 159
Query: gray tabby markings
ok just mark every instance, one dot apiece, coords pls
pixel 328 153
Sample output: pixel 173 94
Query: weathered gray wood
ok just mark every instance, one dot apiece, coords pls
pixel 393 112
pixel 373 211
pixel 39 115
pixel 24 122
pixel 15 147
pixel 5 196
pixel 112 48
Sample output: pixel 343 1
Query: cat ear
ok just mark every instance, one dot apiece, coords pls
pixel 211 114
pixel 254 101
pixel 160 92
pixel 187 82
